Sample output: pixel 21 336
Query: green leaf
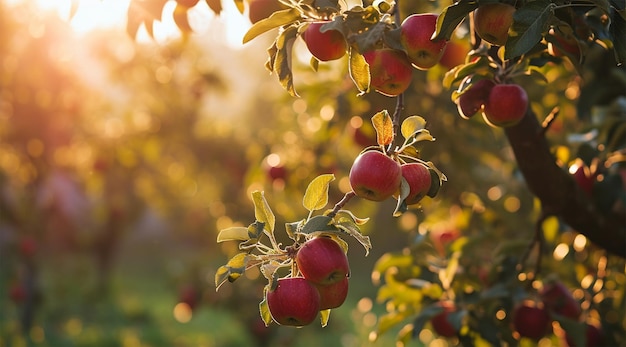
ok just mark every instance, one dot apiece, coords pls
pixel 292 228
pixel 352 229
pixel 575 330
pixel 411 125
pixel 318 224
pixel 359 71
pixel 529 23
pixel 262 211
pixel 324 316
pixel 282 62
pixel 233 233
pixel 277 19
pixel 384 127
pixel 230 272
pixel 401 207
pixel 451 17
pixel 316 195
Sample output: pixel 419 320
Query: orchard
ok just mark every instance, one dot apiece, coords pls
pixel 348 173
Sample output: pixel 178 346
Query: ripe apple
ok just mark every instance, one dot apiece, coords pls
pixel 375 176
pixel 583 178
pixel 333 295
pixel 418 177
pixel 321 260
pixel 558 299
pixel 189 295
pixel 17 293
pixel 506 105
pixel 278 172
pixel 492 22
pixel 440 322
pixel 28 246
pixel 261 9
pixel 294 301
pixel 390 71
pixel 454 54
pixel 531 320
pixel 415 36
pixel 595 337
pixel 325 46
pixel 474 97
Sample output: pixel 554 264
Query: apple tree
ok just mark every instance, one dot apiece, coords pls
pixel 539 88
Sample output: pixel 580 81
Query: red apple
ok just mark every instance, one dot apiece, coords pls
pixel 333 295
pixel 375 176
pixel 261 9
pixel 28 246
pixel 418 177
pixel 321 260
pixel 594 337
pixel 441 324
pixel 390 71
pixel 416 32
pixel 531 320
pixel 454 54
pixel 189 295
pixel 558 299
pixel 506 105
pixel 294 301
pixel 474 97
pixel 278 172
pixel 492 22
pixel 325 46
pixel 17 293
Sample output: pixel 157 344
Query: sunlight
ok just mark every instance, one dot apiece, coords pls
pixel 97 14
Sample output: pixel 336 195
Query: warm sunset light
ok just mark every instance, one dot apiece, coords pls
pixel 93 15
pixel 219 173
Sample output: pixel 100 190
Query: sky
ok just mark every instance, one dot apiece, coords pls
pixel 105 14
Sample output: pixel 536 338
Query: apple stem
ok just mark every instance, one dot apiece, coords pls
pixel 397 113
pixel 349 195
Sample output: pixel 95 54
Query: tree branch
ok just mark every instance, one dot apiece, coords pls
pixel 558 192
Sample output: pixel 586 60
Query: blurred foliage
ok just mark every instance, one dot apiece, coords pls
pixel 119 162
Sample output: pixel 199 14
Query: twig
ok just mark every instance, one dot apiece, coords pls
pixel 538 240
pixel 349 195
pixel 550 118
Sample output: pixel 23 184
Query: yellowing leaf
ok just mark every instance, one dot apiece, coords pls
pixel 550 228
pixel 359 71
pixel 324 316
pixel 384 127
pixel 411 125
pixel 262 211
pixel 181 19
pixel 234 233
pixel 264 310
pixel 277 19
pixel 282 59
pixel 316 195
pixel 230 272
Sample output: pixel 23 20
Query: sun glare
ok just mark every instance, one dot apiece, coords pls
pixel 91 15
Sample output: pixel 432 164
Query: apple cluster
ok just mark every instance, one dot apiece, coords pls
pixel 501 105
pixel 376 176
pixel 533 318
pixel 322 283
